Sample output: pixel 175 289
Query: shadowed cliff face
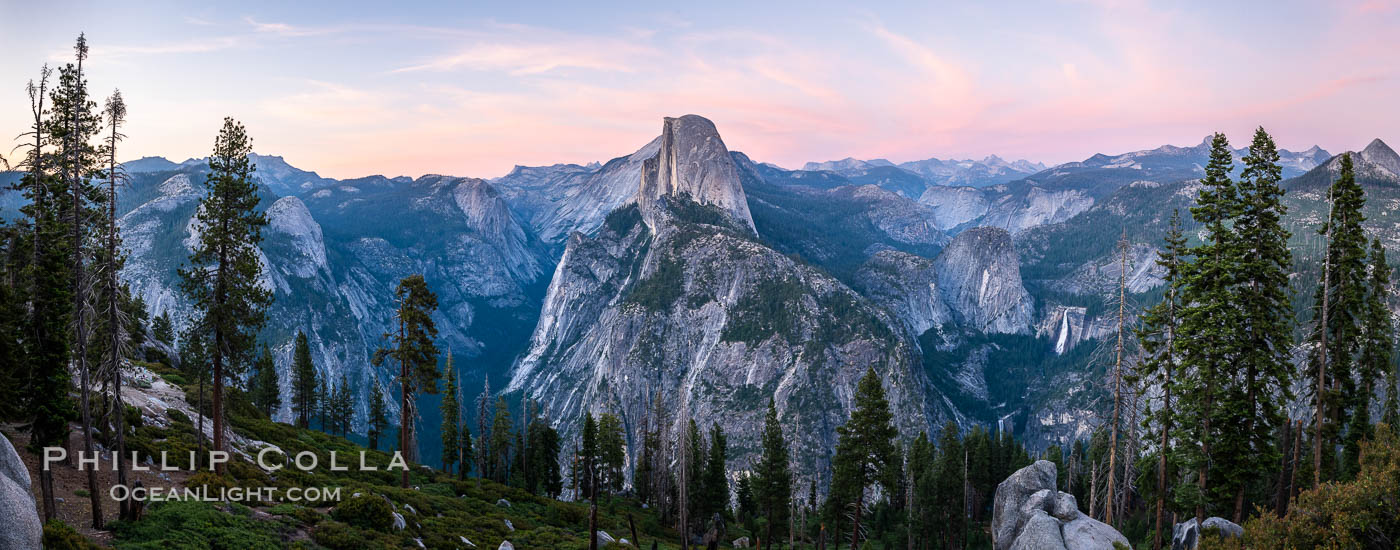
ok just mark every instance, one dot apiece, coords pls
pixel 981 281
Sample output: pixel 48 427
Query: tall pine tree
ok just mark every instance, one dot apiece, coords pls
pixel 222 278
pixel 415 353
pixel 263 390
pixel 1158 366
pixel 378 416
pixel 450 418
pixel 48 288
pixel 1253 398
pixel 304 382
pixel 1208 321
pixel 865 452
pixel 1374 365
pixel 1339 306
pixel 772 479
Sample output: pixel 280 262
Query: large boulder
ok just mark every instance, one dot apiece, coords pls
pixel 1186 535
pixel 22 527
pixel 1008 515
pixel 1087 532
pixel 1029 513
pixel 1041 532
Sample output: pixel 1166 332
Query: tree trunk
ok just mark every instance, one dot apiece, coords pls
pixel 1205 449
pixel 1093 488
pixel 114 320
pixel 593 510
pixel 405 422
pixel 1281 495
pixel 1162 451
pixel 1321 407
pixel 1117 377
pixel 1293 471
pixel 855 525
pixel 199 438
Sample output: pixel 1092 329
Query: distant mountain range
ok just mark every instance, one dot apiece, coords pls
pixel 689 269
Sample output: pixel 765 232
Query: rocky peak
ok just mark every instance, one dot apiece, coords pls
pixel 692 160
pixel 1380 154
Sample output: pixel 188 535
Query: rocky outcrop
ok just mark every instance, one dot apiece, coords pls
pixel 1028 512
pixel 1186 535
pixel 23 530
pixel 980 276
pixel 692 161
pixel 906 285
pixel 715 323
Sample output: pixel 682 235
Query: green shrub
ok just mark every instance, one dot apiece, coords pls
pixel 339 536
pixel 177 416
pixel 133 418
pixel 365 511
pixel 195 525
pixel 59 536
pixel 175 379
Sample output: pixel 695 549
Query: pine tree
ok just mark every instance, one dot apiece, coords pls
pixel 949 485
pixel 304 382
pixel 194 361
pixel 46 278
pixel 323 405
pixel 73 126
pixel 1262 342
pixel 116 341
pixel 587 456
pixel 746 505
pixel 1340 304
pixel 466 453
pixel 415 353
pixel 378 416
pixel 612 453
pixel 265 394
pixel 543 460
pixel 772 478
pixel 501 442
pixel 699 506
pixel 865 456
pixel 716 482
pixel 450 418
pixel 1374 364
pixel 344 407
pixel 483 438
pixel 923 478
pixel 163 329
pixel 1207 320
pixel 1160 362
pixel 222 278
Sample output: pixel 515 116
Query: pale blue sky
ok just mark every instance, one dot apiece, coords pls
pixel 472 88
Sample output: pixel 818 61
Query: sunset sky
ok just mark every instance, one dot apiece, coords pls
pixel 473 88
